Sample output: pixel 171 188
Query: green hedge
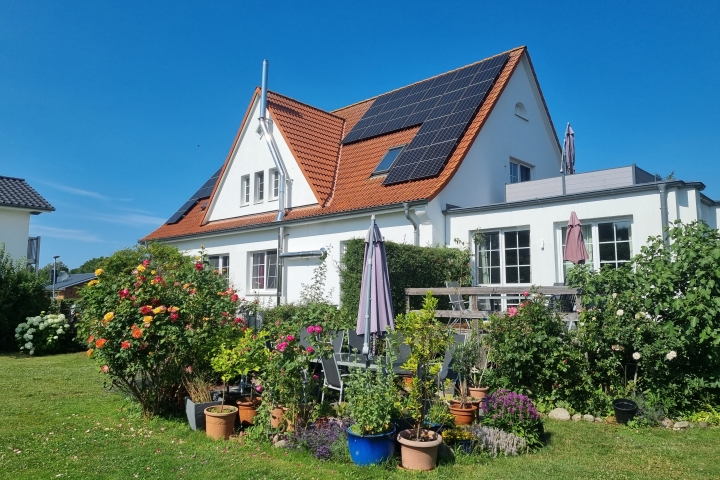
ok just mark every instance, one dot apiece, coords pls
pixel 22 295
pixel 409 266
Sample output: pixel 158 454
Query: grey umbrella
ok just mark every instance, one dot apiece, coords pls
pixel 375 312
pixel 569 151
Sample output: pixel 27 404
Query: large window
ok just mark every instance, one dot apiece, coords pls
pixel 519 173
pixel 259 186
pixel 608 243
pixel 504 258
pixel 221 263
pixel 264 270
pixel 245 190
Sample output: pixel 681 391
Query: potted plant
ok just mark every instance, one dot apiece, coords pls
pixel 220 420
pixel 477 389
pixel 439 416
pixel 198 399
pixel 427 339
pixel 248 356
pixel 465 357
pixel 371 402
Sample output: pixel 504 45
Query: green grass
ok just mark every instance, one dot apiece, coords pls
pixel 59 422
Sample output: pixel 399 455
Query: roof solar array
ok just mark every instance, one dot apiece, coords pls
pixel 205 191
pixel 444 105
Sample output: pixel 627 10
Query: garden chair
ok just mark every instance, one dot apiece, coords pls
pixel 403 355
pixel 356 343
pixel 458 305
pixel 446 371
pixel 332 378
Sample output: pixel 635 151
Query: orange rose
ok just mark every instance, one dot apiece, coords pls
pixel 100 343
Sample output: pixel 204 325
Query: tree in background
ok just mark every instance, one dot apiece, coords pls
pixel 90 265
pixel 22 295
pixel 45 272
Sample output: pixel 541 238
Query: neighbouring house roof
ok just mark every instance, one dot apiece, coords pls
pixel 340 173
pixel 15 192
pixel 72 280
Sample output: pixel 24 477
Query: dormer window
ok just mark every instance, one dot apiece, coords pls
pixel 388 160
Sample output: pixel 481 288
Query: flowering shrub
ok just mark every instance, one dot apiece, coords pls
pixel 513 413
pixel 147 323
pixel 657 317
pixel 42 334
pixel 533 353
pixel 321 439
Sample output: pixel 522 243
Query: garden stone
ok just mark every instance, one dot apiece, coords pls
pixel 703 425
pixel 691 425
pixel 681 426
pixel 276 438
pixel 599 420
pixel 576 417
pixel 280 444
pixel 559 414
pixel 588 418
pixel 667 423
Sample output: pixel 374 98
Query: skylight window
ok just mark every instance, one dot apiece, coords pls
pixel 388 160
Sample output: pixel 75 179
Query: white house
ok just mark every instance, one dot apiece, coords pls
pixel 18 201
pixel 471 149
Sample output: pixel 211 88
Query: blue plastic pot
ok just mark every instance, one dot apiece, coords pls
pixel 371 449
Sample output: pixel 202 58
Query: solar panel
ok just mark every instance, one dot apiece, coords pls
pixel 443 106
pixel 203 192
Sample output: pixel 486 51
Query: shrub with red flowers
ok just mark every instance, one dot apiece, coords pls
pixel 513 413
pixel 152 314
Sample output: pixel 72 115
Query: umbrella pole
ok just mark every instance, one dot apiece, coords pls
pixel 368 285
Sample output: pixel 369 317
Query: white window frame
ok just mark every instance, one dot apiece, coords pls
pixel 595 242
pixel 223 264
pixel 501 245
pixel 266 267
pixel 259 187
pixel 520 165
pixel 274 178
pixel 245 190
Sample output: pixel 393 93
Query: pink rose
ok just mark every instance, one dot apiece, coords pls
pixel 259 388
pixel 105 369
pixel 310 349
pixel 318 329
pixel 525 294
pixel 311 329
pixel 234 297
pixel 146 262
pixel 189 369
pixel 512 311
pixel 124 293
pixel 290 338
pixel 174 316
pixel 198 266
pixel 315 377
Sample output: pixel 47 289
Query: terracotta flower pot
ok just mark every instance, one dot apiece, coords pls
pixel 220 424
pixel 277 416
pixel 479 392
pixel 419 455
pixel 247 410
pixel 463 416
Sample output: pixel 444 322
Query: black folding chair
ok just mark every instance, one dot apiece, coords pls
pixel 333 379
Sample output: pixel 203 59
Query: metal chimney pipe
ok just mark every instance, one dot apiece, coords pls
pixel 274 151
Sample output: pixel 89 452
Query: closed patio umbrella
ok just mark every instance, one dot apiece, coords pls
pixel 375 313
pixel 569 151
pixel 575 250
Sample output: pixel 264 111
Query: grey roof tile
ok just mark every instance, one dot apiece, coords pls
pixel 15 192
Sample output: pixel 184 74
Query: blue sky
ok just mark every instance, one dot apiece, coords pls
pixel 117 112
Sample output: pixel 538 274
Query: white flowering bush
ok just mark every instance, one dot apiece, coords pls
pixel 42 334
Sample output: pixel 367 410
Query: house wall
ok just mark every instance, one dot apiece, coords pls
pixel 299 237
pixel 545 221
pixel 14 231
pixel 251 155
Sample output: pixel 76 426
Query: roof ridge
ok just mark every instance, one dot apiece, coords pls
pixel 13 178
pixel 306 104
pixel 430 78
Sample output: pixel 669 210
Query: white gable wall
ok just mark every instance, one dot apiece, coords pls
pixel 14 231
pixel 252 155
pixel 481 178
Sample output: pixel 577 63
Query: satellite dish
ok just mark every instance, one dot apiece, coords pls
pixel 62 277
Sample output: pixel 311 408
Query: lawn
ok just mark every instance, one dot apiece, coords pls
pixel 60 422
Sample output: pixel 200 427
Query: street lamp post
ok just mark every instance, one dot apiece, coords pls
pixel 54 274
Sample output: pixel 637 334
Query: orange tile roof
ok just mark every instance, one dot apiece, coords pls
pixel 339 175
